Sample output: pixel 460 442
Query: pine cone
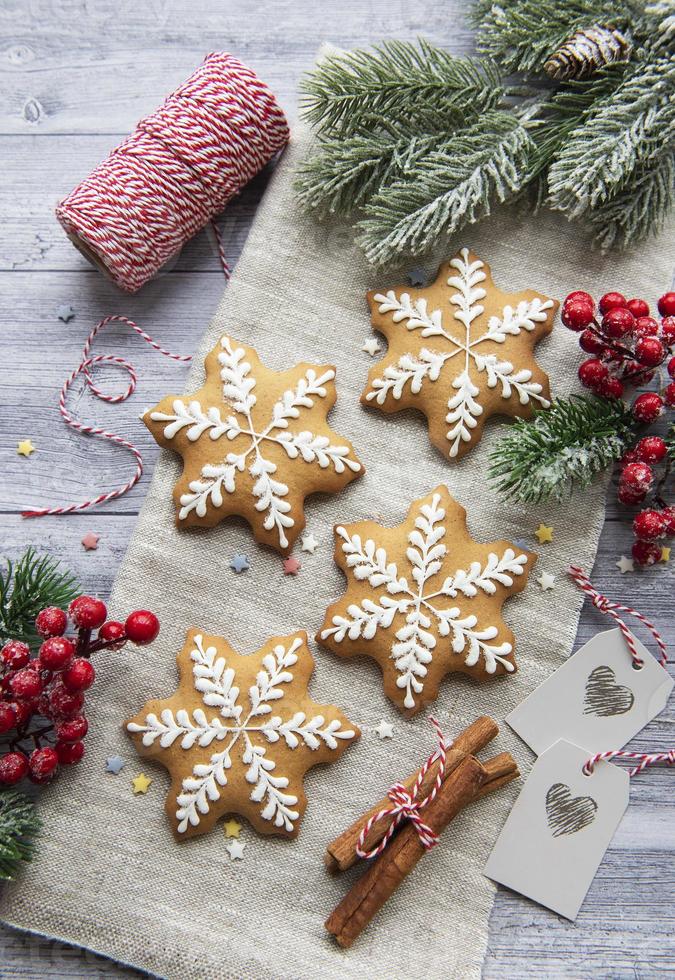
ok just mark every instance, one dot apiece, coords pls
pixel 586 51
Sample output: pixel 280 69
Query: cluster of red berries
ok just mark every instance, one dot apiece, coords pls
pixel 51 686
pixel 639 469
pixel 627 345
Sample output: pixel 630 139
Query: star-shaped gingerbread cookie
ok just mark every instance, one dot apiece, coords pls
pixel 239 734
pixel 254 442
pixel 460 350
pixel 424 599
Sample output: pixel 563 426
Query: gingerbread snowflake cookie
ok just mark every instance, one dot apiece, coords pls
pixel 239 734
pixel 424 599
pixel 254 442
pixel 460 350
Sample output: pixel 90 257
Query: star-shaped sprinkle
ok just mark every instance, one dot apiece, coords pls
pixel 309 543
pixel 384 729
pixel 239 563
pixel 235 849
pixel 665 553
pixel 65 312
pixel 291 566
pixel 371 346
pixel 114 764
pixel 232 828
pixel 417 276
pixel 90 541
pixel 141 783
pixel 544 534
pixel 25 447
pixel 625 565
pixel 547 581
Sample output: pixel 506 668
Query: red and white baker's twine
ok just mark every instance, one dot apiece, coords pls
pixel 406 806
pixel 84 368
pixel 646 759
pixel 176 171
pixel 613 609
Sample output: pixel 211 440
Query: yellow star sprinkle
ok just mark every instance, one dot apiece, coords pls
pixel 141 783
pixel 544 533
pixel 231 828
pixel 25 447
pixel 665 553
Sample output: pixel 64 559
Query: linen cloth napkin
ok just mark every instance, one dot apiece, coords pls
pixel 109 875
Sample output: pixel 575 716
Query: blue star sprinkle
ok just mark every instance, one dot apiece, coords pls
pixel 65 312
pixel 239 564
pixel 417 276
pixel 114 764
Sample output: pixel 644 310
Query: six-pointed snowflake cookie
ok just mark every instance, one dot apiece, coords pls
pixel 239 734
pixel 254 442
pixel 424 599
pixel 460 350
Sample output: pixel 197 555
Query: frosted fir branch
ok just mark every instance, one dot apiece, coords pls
pixel 469 291
pixel 312 732
pixel 201 788
pixel 317 449
pixel 167 728
pixel 302 396
pixel 496 570
pixel 409 370
pixel 367 561
pixel 235 370
pixel 465 637
pixel 214 679
pixel 266 786
pixel 464 412
pixel 526 316
pixel 427 551
pixel 270 495
pixel 195 421
pixel 275 672
pixel 209 489
pixel 502 373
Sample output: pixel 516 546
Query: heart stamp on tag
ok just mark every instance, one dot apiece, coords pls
pixel 604 696
pixel 568 814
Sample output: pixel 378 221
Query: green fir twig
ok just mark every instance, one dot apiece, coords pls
pixel 26 587
pixel 19 826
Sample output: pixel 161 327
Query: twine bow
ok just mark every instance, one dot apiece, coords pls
pixel 406 805
pixel 646 759
pixel 609 608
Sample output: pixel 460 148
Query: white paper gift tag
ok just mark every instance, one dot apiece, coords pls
pixel 596 699
pixel 559 829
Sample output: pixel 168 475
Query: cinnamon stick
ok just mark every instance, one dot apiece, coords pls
pixel 405 849
pixel 341 853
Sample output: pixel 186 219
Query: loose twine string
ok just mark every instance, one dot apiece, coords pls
pixel 165 182
pixel 646 759
pixel 406 805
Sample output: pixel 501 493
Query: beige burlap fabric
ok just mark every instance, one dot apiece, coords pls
pixel 109 875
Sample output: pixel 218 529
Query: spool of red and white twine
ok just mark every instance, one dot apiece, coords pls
pixel 177 170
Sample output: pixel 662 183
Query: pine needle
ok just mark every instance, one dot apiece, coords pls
pixel 19 825
pixel 560 448
pixel 26 587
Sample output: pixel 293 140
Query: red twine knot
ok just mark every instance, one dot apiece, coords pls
pixel 406 805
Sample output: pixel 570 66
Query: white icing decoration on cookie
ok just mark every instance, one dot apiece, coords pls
pixel 414 370
pixel 238 391
pixel 422 605
pixel 215 682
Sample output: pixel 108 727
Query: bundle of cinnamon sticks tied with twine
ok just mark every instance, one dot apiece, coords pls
pixel 463 779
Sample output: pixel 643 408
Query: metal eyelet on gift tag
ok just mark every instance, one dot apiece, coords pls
pixel 559 829
pixel 598 698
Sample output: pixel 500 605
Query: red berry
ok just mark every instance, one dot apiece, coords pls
pixel 42 764
pixel 669 517
pixel 65 704
pixel 576 315
pixel 638 307
pixel 669 394
pixel 647 407
pixel 72 730
pixel 649 525
pixel 26 684
pixel 69 752
pixel 142 627
pixel 637 477
pixel 7 717
pixel 51 621
pixel 651 449
pixel 668 330
pixel 23 712
pixel 617 322
pixel 13 767
pixel 671 367
pixel 646 326
pixel 592 372
pixel 630 497
pixel 80 675
pixel 611 301
pixel 646 552
pixel 649 351
pixel 580 296
pixel 57 653
pixel 114 633
pixel 15 654
pixel 610 388
pixel 591 343
pixel 87 612
pixel 667 304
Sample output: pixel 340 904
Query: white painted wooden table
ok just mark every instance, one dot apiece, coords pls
pixel 76 75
